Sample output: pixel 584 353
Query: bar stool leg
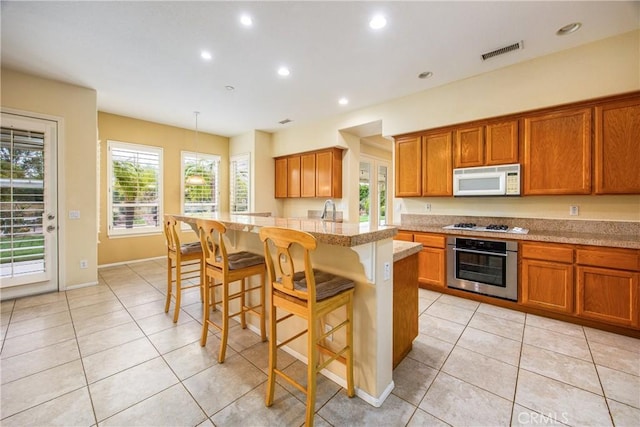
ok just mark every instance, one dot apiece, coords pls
pixel 263 334
pixel 176 312
pixel 243 318
pixel 225 322
pixel 350 387
pixel 169 284
pixel 273 356
pixel 205 314
pixel 312 352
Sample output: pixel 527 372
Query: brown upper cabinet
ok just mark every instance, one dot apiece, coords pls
pixel 408 166
pixel 310 174
pixel 490 144
pixel 293 176
pixel 437 172
pixel 617 149
pixel 329 173
pixel 557 153
pixel 423 165
pixel 281 177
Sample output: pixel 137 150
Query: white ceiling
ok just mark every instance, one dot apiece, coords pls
pixel 143 58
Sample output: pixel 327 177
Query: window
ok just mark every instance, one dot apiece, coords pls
pixel 134 188
pixel 204 197
pixel 240 183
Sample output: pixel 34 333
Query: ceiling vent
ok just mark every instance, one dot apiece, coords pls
pixel 285 121
pixel 503 50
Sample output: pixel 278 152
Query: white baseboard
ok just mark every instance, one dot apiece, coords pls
pixel 80 285
pixel 115 264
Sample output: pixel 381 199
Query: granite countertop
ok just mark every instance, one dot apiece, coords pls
pixel 402 249
pixel 332 233
pixel 594 233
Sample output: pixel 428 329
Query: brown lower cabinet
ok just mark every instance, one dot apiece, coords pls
pixel 607 285
pixel 589 282
pixel 432 259
pixel 546 274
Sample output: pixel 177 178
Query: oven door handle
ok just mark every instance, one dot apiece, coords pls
pixel 470 251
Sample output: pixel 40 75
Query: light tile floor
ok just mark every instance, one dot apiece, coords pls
pixel 109 355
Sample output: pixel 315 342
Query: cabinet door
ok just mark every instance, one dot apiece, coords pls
pixel 308 175
pixel 608 295
pixel 281 177
pixel 617 158
pixel 557 153
pixel 431 266
pixel 293 176
pixel 469 147
pixel 329 173
pixel 437 170
pixel 502 143
pixel 408 161
pixel 547 285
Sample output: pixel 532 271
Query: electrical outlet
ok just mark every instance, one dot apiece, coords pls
pixel 387 271
pixel 327 328
pixel 573 210
pixel 427 207
pixel 84 263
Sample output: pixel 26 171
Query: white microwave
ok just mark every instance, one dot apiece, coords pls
pixel 502 180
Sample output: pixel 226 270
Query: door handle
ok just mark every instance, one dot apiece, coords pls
pixel 51 228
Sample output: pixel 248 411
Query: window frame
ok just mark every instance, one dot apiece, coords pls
pixel 140 148
pixel 199 156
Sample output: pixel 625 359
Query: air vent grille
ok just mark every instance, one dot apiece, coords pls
pixel 285 121
pixel 502 50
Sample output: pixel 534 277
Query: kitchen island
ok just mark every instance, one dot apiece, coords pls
pixel 360 252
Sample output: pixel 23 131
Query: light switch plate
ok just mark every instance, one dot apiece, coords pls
pixel 74 214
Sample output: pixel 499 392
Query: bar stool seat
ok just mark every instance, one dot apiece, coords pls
pixel 310 294
pixel 226 268
pixel 183 258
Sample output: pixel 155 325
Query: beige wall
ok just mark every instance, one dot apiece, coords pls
pixel 76 106
pixel 172 140
pixel 602 68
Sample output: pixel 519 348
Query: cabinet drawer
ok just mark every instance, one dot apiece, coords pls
pixel 620 259
pixel 547 252
pixel 406 236
pixel 430 240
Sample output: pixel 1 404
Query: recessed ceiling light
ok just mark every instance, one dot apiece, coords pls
pixel 377 22
pixel 568 29
pixel 206 55
pixel 343 101
pixel 425 75
pixel 246 20
pixel 283 71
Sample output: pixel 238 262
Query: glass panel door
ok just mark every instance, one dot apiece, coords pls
pixel 373 207
pixel 28 209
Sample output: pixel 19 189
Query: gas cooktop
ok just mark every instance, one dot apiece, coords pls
pixel 498 228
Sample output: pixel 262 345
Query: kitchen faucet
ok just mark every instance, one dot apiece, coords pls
pixel 324 211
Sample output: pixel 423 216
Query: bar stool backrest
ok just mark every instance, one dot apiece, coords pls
pixel 171 234
pixel 212 241
pixel 281 273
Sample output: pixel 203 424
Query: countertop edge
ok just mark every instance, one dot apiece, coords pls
pixel 549 236
pixel 402 249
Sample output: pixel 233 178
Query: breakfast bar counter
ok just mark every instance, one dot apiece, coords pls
pixel 361 253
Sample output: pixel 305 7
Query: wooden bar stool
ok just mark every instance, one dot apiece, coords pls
pixel 219 265
pixel 310 294
pixel 183 258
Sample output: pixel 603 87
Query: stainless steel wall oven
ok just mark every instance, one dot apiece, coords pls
pixel 488 267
